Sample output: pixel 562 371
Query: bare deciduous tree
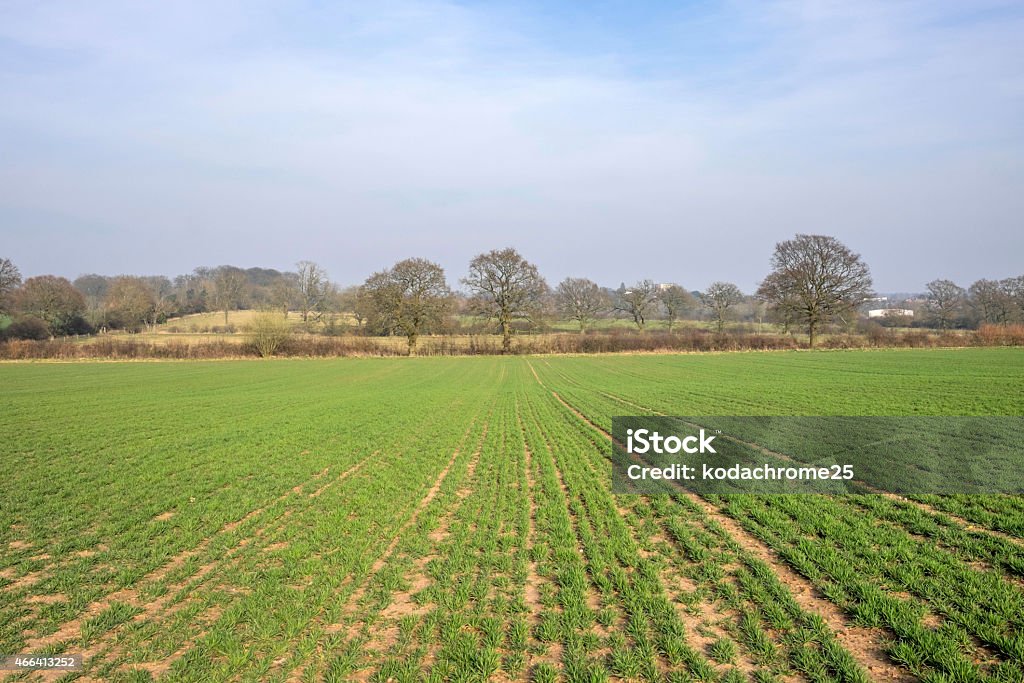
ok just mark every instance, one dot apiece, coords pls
pixel 228 289
pixel 410 297
pixel 54 300
pixel 10 279
pixel 637 301
pixel 129 302
pixel 581 300
pixel 312 288
pixel 994 301
pixel 505 287
pixel 191 292
pixel 362 307
pixel 718 298
pixel 675 300
pixel 94 289
pixel 1014 288
pixel 346 300
pixel 945 299
pixel 782 307
pixel 819 277
pixel 163 292
pixel 285 292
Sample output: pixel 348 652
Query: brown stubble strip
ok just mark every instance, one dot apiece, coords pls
pixel 865 644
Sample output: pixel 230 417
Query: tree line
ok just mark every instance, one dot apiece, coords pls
pixel 815 282
pixel 50 305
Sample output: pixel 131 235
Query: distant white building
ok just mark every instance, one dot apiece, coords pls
pixel 890 313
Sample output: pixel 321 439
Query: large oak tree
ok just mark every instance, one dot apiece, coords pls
pixel 945 299
pixel 719 298
pixel 581 300
pixel 818 279
pixel 410 298
pixel 675 300
pixel 638 301
pixel 505 287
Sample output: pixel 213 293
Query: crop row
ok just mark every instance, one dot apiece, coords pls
pixel 947 595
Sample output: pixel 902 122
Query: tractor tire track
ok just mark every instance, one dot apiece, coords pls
pixel 866 645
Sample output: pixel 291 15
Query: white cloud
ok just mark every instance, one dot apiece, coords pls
pixel 263 131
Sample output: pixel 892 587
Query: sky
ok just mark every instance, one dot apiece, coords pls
pixel 677 141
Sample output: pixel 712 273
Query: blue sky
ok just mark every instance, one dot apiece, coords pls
pixel 677 141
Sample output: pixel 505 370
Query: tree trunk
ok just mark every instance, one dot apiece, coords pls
pixel 225 317
pixel 506 337
pixel 810 332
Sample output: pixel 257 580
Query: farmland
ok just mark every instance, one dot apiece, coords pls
pixel 451 519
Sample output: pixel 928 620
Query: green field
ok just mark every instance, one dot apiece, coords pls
pixel 451 519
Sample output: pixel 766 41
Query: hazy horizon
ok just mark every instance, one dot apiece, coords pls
pixel 453 279
pixel 617 142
